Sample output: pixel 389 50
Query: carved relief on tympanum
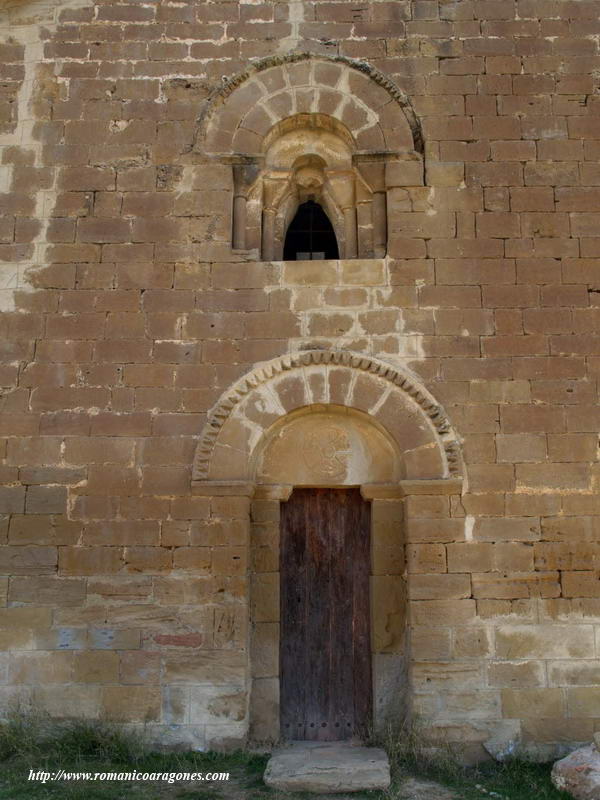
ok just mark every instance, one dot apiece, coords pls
pixel 326 447
pixel 326 452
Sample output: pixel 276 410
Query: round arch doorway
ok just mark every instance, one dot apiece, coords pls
pixel 328 612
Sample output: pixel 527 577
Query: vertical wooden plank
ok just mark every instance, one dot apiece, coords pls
pixel 318 645
pixel 293 614
pixel 342 716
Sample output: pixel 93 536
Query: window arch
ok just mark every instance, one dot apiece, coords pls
pixel 285 108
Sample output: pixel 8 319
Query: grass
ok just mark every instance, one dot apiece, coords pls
pixel 29 741
pixel 512 780
pixel 37 742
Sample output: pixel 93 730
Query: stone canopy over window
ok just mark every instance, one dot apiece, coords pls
pixel 307 128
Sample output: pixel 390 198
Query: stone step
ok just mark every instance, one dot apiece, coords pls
pixel 327 767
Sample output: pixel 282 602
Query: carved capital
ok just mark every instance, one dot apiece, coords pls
pixel 274 189
pixel 343 187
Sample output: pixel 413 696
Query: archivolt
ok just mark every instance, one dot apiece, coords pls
pixel 404 408
pixel 261 93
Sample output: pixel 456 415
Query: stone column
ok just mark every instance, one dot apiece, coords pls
pixel 274 188
pixel 372 170
pixel 379 224
pixel 239 208
pixel 344 191
pixel 245 170
pixel 350 230
pixel 268 234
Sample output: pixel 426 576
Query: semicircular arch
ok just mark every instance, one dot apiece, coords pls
pixel 391 396
pixel 242 111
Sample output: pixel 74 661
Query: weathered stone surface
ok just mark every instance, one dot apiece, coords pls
pixel 505 740
pixel 579 773
pixel 325 768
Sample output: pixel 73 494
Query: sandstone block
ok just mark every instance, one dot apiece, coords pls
pixel 448 612
pixel 474 642
pixel 470 557
pixel 537 703
pixel 426 558
pixel 139 667
pixel 149 560
pixel 573 673
pixel 435 587
pixel 430 643
pixel 130 703
pixel 51 591
pixel 205 667
pixel 28 560
pixel 544 641
pixel 89 560
pixel 68 701
pixel 41 667
pixel 518 674
pixel 326 768
pixel 96 667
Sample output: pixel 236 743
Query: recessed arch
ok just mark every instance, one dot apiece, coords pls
pixel 323 123
pixel 390 395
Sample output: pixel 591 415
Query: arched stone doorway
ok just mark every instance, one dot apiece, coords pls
pixel 312 450
pixel 336 420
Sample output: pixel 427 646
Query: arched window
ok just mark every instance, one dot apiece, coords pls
pixel 310 235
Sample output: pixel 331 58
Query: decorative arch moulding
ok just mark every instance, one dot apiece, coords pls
pixel 311 128
pixel 219 96
pixel 394 379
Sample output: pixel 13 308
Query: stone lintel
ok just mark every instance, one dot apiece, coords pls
pixel 223 488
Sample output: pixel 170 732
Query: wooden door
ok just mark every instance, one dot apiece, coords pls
pixel 325 656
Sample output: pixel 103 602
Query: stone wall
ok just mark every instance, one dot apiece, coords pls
pixel 127 316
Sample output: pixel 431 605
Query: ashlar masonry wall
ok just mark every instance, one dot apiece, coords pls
pixel 127 318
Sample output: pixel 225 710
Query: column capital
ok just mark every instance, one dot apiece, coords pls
pixel 273 491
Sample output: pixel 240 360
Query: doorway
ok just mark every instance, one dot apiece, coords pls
pixel 325 643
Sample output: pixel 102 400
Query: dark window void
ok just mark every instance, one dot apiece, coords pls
pixel 310 235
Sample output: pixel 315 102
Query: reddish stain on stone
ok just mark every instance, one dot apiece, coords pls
pixel 181 640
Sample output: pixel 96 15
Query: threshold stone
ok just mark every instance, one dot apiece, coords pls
pixel 327 767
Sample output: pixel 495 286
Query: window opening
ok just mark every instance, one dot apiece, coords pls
pixel 310 236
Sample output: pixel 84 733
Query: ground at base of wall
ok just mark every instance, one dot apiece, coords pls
pixel 517 782
pixel 35 749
